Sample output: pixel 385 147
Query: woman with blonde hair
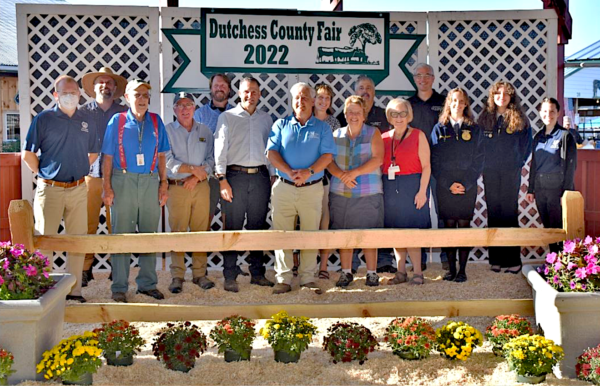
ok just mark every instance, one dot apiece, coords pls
pixel 406 172
pixel 456 162
pixel 507 145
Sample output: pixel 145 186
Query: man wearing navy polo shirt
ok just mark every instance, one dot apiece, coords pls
pixel 300 147
pixel 135 183
pixel 68 145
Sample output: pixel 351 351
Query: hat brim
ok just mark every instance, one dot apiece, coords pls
pixel 87 82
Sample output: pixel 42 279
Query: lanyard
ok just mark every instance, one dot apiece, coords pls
pixel 122 121
pixel 141 134
pixel 394 146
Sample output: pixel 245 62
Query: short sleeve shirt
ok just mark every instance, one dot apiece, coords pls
pixel 64 143
pixel 301 146
pixel 131 143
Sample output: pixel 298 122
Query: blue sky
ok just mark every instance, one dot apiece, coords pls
pixel 584 12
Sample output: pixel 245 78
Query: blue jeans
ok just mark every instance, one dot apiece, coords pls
pixel 135 204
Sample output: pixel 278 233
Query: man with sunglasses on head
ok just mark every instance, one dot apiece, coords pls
pixel 135 184
pixel 189 163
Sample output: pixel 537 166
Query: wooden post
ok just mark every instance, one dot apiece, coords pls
pixel 20 217
pixel 573 219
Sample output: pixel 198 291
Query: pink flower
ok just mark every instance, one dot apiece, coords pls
pixel 581 273
pixel 4 244
pixel 558 266
pixel 546 270
pixel 590 259
pixel 569 246
pixel 30 270
pixel 551 258
pixel 5 265
pixel 556 279
pixel 588 240
pixel 570 266
pixel 46 274
pixel 1 280
pixel 592 269
pixel 593 250
pixel 16 251
pixel 573 285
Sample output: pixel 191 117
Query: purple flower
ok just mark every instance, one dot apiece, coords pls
pixel 16 251
pixel 573 285
pixel 556 279
pixel 558 266
pixel 569 246
pixel 46 274
pixel 5 265
pixel 588 240
pixel 571 265
pixel 546 271
pixel 551 258
pixel 581 273
pixel 30 270
pixel 584 287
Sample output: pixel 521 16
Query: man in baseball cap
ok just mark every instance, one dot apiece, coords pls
pixel 106 88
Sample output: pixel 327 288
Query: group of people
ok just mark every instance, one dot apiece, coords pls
pixel 368 168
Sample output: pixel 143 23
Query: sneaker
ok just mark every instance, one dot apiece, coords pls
pixel 203 282
pixel 281 288
pixel 261 281
pixel 344 280
pixel 119 297
pixel 176 285
pixel 153 293
pixel 372 280
pixel 231 286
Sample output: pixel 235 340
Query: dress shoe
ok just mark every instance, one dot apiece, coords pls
pixel 261 281
pixel 203 282
pixel 514 270
pixel 313 286
pixel 154 293
pixel 119 297
pixel 460 278
pixel 231 286
pixel 76 298
pixel 281 288
pixel 176 285
pixel 449 276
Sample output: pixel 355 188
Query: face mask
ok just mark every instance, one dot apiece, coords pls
pixel 69 101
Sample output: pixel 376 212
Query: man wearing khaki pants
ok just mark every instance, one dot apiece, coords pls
pixel 189 163
pixel 106 88
pixel 68 144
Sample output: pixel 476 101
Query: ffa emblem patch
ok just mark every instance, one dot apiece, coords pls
pixel 84 126
pixel 509 130
pixel 466 135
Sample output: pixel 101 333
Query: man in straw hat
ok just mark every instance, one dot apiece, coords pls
pixel 134 175
pixel 106 88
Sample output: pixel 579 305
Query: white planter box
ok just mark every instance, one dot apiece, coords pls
pixel 30 327
pixel 571 320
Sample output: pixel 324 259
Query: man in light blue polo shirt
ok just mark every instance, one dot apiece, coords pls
pixel 134 173
pixel 300 147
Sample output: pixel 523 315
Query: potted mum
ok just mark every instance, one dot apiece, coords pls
pixel 178 345
pixel 588 365
pixel 6 362
pixel 32 307
pixel 234 336
pixel 456 340
pixel 120 341
pixel 531 357
pixel 566 299
pixel 288 335
pixel 410 338
pixel 349 341
pixel 73 360
pixel 504 328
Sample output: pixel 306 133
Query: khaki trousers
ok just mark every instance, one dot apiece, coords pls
pixel 52 204
pixel 189 210
pixel 94 204
pixel 288 202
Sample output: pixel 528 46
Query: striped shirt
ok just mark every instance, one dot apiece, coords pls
pixel 352 153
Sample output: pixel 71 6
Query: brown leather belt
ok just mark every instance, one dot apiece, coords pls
pixel 300 186
pixel 64 184
pixel 244 169
pixel 176 182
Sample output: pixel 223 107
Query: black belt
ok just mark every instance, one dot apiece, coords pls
pixel 300 186
pixel 250 170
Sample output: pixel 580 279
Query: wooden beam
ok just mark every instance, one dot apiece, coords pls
pixel 273 240
pixel 143 312
pixel 573 215
pixel 20 217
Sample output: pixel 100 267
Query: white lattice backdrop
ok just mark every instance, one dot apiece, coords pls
pixel 474 51
pixel 75 40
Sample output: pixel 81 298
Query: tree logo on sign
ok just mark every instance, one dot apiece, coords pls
pixel 365 33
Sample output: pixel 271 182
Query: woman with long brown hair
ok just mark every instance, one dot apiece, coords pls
pixel 507 145
pixel 456 162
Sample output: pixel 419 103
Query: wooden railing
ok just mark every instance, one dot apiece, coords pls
pixel 21 223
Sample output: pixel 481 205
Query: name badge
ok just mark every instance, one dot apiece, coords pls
pixel 140 159
pixel 392 172
pixel 202 139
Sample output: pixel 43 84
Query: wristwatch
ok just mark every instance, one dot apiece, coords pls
pixel 312 171
pixel 221 178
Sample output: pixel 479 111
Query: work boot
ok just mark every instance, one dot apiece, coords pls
pixel 313 286
pixel 176 285
pixel 231 286
pixel 261 281
pixel 281 288
pixel 203 282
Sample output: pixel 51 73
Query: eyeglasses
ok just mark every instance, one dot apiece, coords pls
pixel 184 105
pixel 396 114
pixel 423 76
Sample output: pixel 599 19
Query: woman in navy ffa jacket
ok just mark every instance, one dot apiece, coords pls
pixel 553 167
pixel 507 145
pixel 457 161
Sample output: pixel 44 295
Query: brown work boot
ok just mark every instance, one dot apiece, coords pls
pixel 203 282
pixel 313 286
pixel 231 286
pixel 281 288
pixel 176 285
pixel 261 281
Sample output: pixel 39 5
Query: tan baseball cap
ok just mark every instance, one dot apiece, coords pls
pixel 134 84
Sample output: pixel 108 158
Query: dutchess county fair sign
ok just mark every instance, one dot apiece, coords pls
pixel 292 42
